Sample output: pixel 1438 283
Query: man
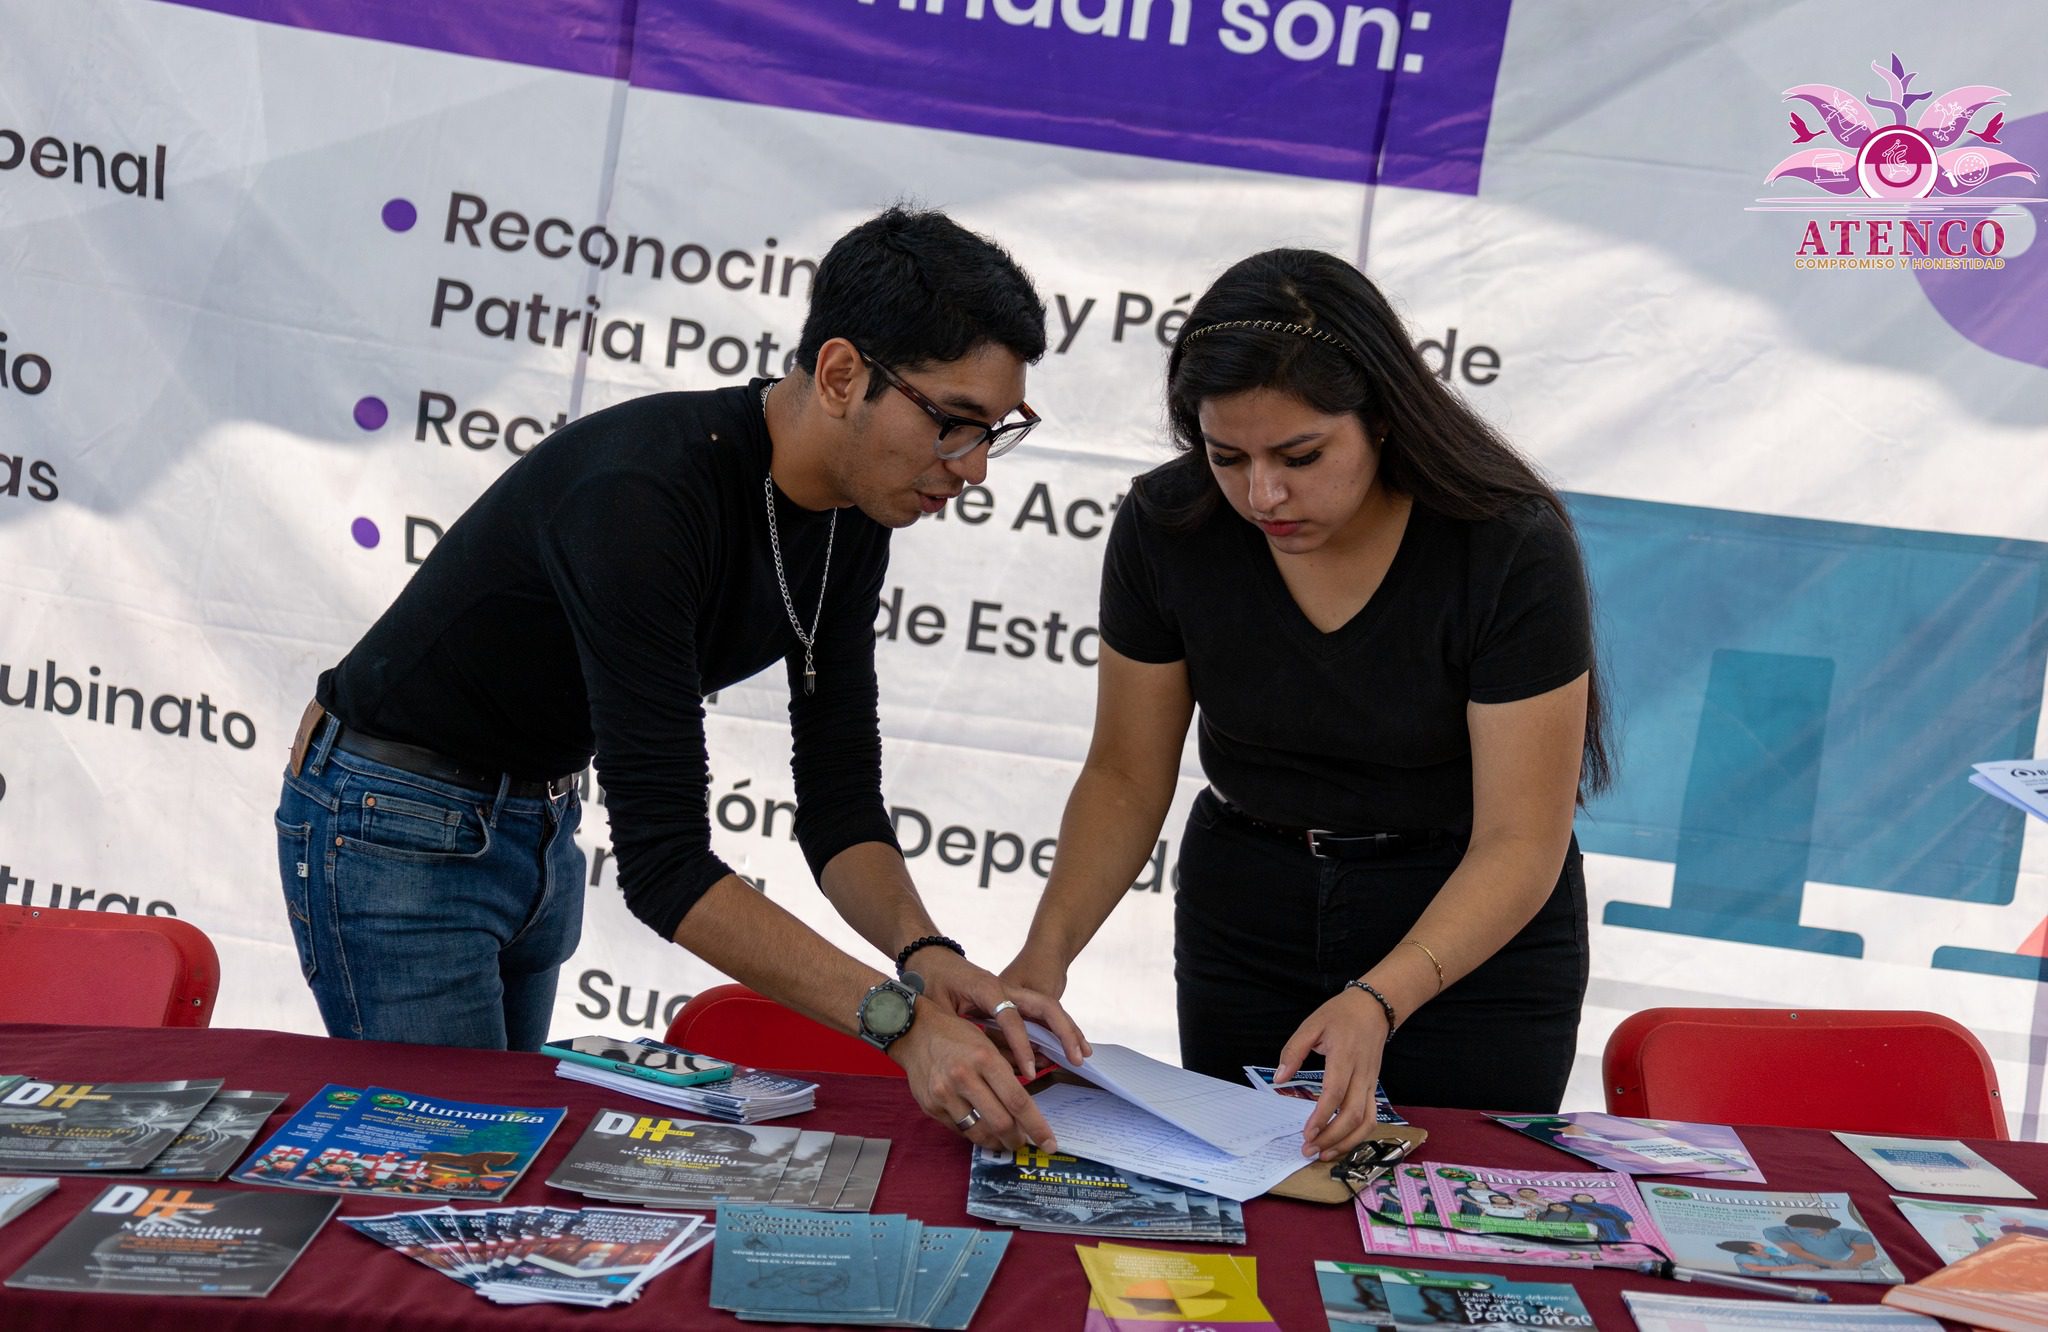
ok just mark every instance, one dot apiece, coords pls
pixel 584 605
pixel 1808 1237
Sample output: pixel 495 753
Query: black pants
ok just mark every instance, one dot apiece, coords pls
pixel 1264 933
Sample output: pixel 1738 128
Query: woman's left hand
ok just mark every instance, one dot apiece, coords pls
pixel 1349 1032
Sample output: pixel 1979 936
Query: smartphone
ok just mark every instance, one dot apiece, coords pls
pixel 677 1068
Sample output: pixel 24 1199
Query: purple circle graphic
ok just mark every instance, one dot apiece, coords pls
pixel 366 534
pixel 2001 311
pixel 399 215
pixel 371 413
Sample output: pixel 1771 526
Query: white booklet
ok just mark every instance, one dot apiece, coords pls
pixel 1685 1313
pixel 1932 1165
pixel 1955 1230
pixel 2021 783
pixel 1229 1116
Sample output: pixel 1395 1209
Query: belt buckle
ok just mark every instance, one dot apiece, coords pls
pixel 1315 847
pixel 557 787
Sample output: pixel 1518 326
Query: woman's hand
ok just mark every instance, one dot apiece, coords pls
pixel 1349 1032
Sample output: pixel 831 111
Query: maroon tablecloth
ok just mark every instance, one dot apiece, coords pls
pixel 346 1281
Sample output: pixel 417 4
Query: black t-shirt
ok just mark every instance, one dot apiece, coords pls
pixel 1362 729
pixel 590 598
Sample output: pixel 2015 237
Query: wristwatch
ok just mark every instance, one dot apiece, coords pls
pixel 887 1010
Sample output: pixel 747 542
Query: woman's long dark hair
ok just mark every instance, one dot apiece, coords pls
pixel 1433 448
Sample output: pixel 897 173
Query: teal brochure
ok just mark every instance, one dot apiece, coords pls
pixel 957 1309
pixel 785 1261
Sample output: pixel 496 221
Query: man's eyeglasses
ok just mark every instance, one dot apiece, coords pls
pixel 1368 1162
pixel 961 435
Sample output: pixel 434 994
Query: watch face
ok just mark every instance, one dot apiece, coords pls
pixel 886 1013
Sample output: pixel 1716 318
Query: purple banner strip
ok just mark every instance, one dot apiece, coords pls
pixel 1399 93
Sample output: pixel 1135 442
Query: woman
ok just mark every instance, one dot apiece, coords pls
pixel 1381 610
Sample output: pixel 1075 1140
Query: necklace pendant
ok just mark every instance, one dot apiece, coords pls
pixel 810 680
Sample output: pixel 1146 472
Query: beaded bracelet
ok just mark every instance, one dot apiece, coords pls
pixel 928 941
pixel 1369 988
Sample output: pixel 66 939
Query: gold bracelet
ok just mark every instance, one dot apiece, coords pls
pixel 1432 961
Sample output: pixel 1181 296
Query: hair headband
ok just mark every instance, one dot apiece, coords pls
pixel 1275 326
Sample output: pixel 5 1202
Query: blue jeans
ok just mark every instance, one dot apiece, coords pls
pixel 425 912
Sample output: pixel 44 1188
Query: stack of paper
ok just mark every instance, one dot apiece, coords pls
pixel 625 1156
pixel 376 1140
pixel 17 1195
pixel 1141 1290
pixel 139 1239
pixel 776 1265
pixel 1071 1195
pixel 594 1257
pixel 1398 1297
pixel 749 1096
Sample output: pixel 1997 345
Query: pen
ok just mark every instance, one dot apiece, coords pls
pixel 1804 1294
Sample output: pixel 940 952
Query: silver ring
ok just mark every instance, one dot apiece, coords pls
pixel 968 1120
pixel 1002 1008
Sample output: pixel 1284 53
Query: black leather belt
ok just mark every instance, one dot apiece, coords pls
pixel 1329 845
pixel 437 767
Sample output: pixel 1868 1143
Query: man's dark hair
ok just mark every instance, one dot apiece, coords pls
pixel 914 288
pixel 1809 1221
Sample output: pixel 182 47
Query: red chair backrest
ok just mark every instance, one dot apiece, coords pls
pixel 734 1023
pixel 1859 1070
pixel 104 968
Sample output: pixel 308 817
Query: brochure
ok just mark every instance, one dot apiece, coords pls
pixel 1105 1127
pixel 1747 1232
pixel 865 1178
pixel 783 1261
pixel 1358 1295
pixel 956 1307
pixel 222 1131
pixel 1585 1219
pixel 1307 1085
pixel 2021 783
pixel 632 1157
pixel 805 1168
pixel 138 1239
pixel 1957 1229
pixel 1687 1313
pixel 1932 1165
pixel 594 1258
pixel 1144 1289
pixel 392 1141
pixel 1643 1146
pixel 2002 1286
pixel 1054 1191
pixel 281 1155
pixel 17 1194
pixel 65 1127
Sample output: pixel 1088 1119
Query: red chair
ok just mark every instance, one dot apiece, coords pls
pixel 1859 1070
pixel 732 1022
pixel 104 969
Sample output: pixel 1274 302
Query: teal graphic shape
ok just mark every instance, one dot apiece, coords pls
pixel 1801 701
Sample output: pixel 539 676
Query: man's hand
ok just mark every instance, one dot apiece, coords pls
pixel 1350 1032
pixel 968 991
pixel 956 1073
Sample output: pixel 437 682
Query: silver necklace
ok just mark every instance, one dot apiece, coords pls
pixel 809 640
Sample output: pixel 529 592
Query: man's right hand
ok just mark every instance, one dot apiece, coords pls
pixel 955 1069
